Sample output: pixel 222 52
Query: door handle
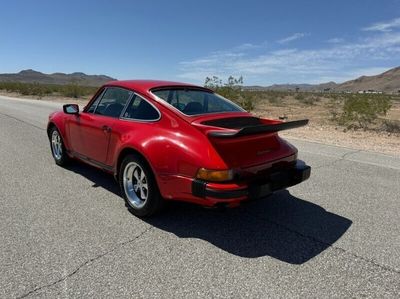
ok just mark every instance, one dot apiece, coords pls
pixel 106 129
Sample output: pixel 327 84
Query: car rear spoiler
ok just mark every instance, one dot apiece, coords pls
pixel 257 129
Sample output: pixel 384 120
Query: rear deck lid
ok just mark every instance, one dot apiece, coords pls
pixel 245 141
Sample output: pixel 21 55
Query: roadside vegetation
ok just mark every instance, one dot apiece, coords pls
pixel 343 110
pixel 231 89
pixel 346 111
pixel 72 90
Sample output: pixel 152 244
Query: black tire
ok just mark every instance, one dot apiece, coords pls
pixel 153 202
pixel 61 157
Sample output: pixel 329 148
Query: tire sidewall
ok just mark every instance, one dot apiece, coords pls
pixel 154 200
pixel 64 158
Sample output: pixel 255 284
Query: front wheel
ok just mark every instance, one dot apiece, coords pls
pixel 57 147
pixel 139 187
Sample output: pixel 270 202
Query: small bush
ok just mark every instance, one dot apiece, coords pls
pixel 391 126
pixel 72 91
pixel 273 100
pixel 300 97
pixel 247 103
pixel 307 98
pixel 362 110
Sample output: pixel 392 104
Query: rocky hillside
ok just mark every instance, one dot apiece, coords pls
pixel 388 81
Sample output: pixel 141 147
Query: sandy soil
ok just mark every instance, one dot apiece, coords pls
pixel 320 129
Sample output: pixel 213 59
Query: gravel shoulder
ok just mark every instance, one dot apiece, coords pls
pixel 360 140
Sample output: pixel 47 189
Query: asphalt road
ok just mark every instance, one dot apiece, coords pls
pixel 66 232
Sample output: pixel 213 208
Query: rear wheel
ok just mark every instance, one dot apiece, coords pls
pixel 57 147
pixel 139 187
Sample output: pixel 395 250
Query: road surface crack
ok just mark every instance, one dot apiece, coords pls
pixel 22 121
pixel 327 245
pixel 86 263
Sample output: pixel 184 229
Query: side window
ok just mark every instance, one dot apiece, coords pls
pixel 139 108
pixel 95 102
pixel 113 102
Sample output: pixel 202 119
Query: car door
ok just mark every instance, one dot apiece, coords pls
pixel 91 130
pixel 75 123
pixel 136 120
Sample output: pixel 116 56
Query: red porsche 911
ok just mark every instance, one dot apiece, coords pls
pixel 174 141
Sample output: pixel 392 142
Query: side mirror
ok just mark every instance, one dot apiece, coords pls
pixel 71 109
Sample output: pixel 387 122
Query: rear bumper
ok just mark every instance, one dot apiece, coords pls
pixel 262 187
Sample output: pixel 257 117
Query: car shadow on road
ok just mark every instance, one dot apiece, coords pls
pixel 98 177
pixel 281 226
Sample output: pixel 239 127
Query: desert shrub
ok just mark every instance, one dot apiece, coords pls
pixel 232 90
pixel 307 98
pixel 391 126
pixel 273 100
pixel 247 103
pixel 273 97
pixel 310 100
pixel 299 97
pixel 334 106
pixel 362 110
pixel 332 96
pixel 72 91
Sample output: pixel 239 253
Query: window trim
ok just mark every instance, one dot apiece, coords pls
pixel 138 119
pixel 99 96
pixel 241 109
pixel 123 109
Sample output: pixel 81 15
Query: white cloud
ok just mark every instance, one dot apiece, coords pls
pixel 246 46
pixel 336 61
pixel 384 26
pixel 335 40
pixel 292 37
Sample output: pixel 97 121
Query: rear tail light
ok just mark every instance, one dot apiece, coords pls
pixel 215 175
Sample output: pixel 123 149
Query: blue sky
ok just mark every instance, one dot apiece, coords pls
pixel 266 42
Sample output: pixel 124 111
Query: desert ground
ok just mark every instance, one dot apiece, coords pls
pixel 322 129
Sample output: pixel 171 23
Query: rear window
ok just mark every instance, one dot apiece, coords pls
pixel 196 101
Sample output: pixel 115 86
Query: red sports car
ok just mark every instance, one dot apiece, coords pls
pixel 174 141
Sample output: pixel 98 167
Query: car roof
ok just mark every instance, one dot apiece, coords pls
pixel 144 86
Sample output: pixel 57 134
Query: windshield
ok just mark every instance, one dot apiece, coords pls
pixel 196 101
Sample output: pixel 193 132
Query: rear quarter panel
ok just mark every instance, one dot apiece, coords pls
pixel 170 145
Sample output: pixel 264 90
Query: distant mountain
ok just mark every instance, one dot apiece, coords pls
pixel 31 76
pixel 388 81
pixel 294 87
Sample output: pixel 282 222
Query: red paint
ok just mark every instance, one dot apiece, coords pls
pixel 175 146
